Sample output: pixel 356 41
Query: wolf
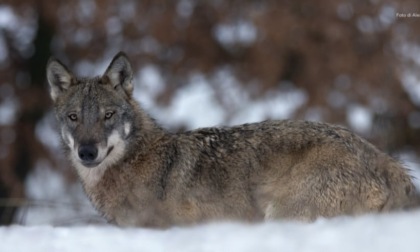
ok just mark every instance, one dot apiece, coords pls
pixel 136 173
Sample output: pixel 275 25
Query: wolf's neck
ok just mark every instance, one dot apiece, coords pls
pixel 146 131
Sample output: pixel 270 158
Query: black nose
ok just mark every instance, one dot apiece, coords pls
pixel 88 152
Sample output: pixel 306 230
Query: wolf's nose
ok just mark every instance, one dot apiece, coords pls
pixel 88 152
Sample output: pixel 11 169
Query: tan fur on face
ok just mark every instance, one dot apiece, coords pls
pixel 91 176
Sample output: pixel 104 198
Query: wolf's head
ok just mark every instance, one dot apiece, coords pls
pixel 96 115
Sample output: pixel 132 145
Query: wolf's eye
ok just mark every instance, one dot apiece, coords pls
pixel 73 117
pixel 109 114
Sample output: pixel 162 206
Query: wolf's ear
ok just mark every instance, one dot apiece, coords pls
pixel 59 78
pixel 120 74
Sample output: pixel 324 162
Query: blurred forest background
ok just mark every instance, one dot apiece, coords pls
pixel 203 63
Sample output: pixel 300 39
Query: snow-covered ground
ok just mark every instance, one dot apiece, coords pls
pixel 197 105
pixel 375 232
pixel 203 101
pixel 390 232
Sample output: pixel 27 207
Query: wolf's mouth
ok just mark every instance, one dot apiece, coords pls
pixel 93 164
pixel 90 164
pixel 109 150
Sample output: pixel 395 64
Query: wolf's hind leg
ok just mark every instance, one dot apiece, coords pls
pixel 326 191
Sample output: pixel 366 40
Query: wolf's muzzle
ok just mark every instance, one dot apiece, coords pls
pixel 88 154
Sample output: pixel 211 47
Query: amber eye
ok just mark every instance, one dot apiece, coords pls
pixel 109 114
pixel 73 117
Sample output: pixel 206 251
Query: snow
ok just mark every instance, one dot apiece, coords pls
pixel 387 232
pixel 46 133
pixel 86 11
pixel 387 15
pixel 410 51
pixel 366 24
pixel 150 85
pixel 412 163
pixel 215 100
pixel 197 98
pixel 53 201
pixel 114 26
pixel 8 110
pixel 197 104
pixel 184 8
pixel 204 100
pixel 7 17
pixel 242 32
pixel 276 106
pixel 411 84
pixel 21 28
pixel 359 118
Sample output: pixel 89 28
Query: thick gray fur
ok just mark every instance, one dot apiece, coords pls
pixel 144 175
